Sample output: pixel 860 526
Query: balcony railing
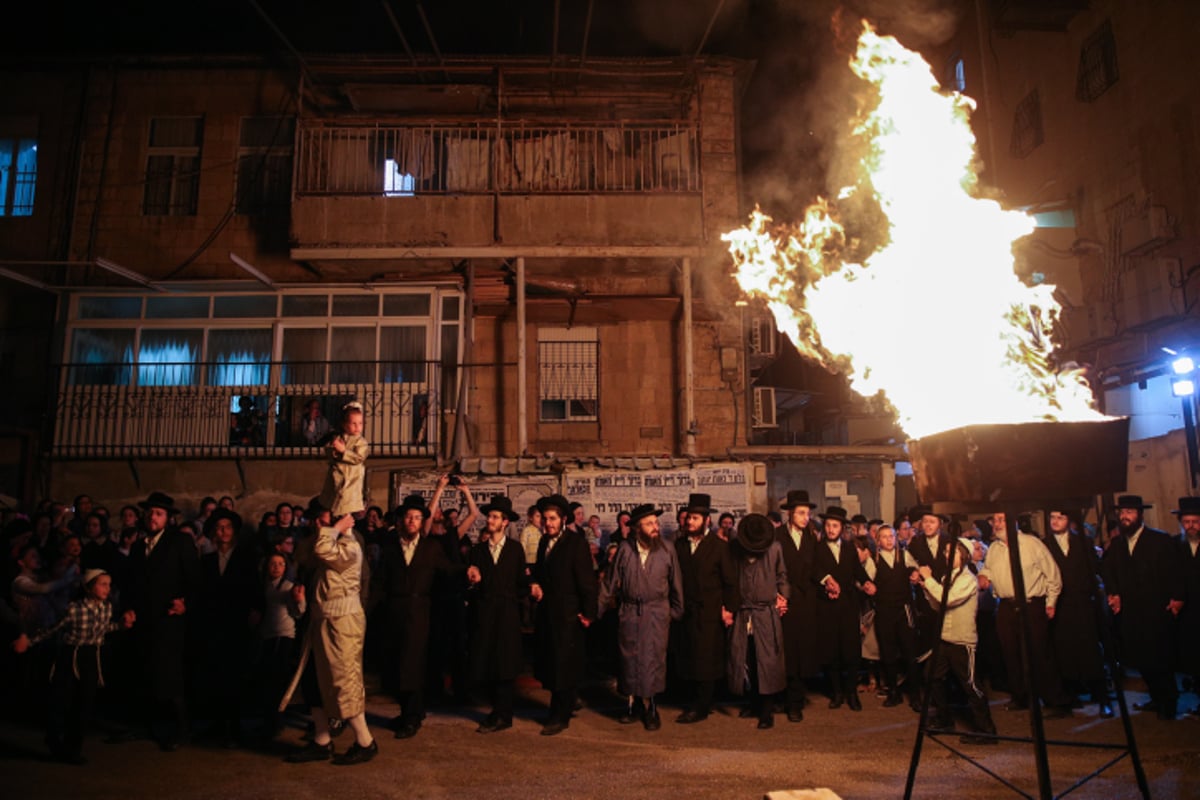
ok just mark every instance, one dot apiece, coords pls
pixel 486 159
pixel 266 409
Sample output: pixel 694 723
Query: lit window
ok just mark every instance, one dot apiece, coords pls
pixel 395 182
pixel 173 166
pixel 18 176
pixel 568 380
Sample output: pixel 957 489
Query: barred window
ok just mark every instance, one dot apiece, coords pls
pixel 568 381
pixel 18 176
pixel 1097 64
pixel 173 166
pixel 1027 126
pixel 264 168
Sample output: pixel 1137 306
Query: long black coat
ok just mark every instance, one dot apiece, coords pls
pixel 1189 618
pixel 494 612
pixel 1075 631
pixel 405 590
pixel 838 636
pixel 171 571
pixel 710 582
pixel 800 621
pixel 1145 581
pixel 569 588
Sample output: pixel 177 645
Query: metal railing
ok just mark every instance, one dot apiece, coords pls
pixel 217 410
pixel 483 159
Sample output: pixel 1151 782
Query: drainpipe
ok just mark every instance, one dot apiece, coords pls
pixel 689 367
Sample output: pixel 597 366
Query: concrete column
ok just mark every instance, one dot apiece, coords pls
pixel 522 398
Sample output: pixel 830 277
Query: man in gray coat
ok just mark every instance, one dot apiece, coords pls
pixel 645 583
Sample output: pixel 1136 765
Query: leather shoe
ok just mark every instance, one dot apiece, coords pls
pixel 746 712
pixel 893 699
pixel 357 754
pixel 766 721
pixel 853 701
pixel 976 738
pixel 796 714
pixel 408 730
pixel 1106 711
pixel 690 716
pixel 836 701
pixel 311 752
pixel 554 728
pixel 493 725
pixel 651 720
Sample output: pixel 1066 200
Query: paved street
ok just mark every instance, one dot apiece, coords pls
pixel 863 755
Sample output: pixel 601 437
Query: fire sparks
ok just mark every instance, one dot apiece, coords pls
pixel 935 320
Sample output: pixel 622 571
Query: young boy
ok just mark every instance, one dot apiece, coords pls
pixel 347 452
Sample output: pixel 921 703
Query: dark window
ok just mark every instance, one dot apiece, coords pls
pixel 1027 126
pixel 173 166
pixel 1097 64
pixel 264 170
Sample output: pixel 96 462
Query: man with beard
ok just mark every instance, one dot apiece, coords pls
pixel 1189 619
pixel 1075 629
pixel 837 572
pixel 409 566
pixel 167 580
pixel 926 548
pixel 799 543
pixel 710 594
pixel 644 582
pixel 566 592
pixel 499 587
pixel 1043 584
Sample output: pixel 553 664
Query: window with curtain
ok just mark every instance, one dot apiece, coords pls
pixel 568 383
pixel 402 353
pixel 169 357
pixel 303 356
pixel 101 356
pixel 352 355
pixel 239 357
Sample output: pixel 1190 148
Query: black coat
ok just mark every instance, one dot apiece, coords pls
pixel 710 582
pixel 1145 581
pixel 1075 629
pixel 227 601
pixel 569 588
pixel 171 571
pixel 838 636
pixel 406 590
pixel 1189 618
pixel 894 616
pixel 800 621
pixel 494 612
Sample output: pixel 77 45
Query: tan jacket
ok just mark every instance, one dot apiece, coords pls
pixel 339 579
pixel 343 490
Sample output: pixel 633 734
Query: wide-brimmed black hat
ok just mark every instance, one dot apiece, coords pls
pixel 755 533
pixel 797 497
pixel 160 500
pixel 315 509
pixel 859 519
pixel 875 521
pixel 556 501
pixel 917 512
pixel 503 504
pixel 414 501
pixel 1188 506
pixel 644 510
pixel 1132 501
pixel 699 504
pixel 218 514
pixel 835 512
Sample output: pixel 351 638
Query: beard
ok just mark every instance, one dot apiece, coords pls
pixel 648 542
pixel 1128 529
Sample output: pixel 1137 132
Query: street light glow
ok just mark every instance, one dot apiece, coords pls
pixel 1184 387
pixel 1183 365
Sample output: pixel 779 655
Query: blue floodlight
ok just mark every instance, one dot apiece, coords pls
pixel 1183 365
pixel 1183 387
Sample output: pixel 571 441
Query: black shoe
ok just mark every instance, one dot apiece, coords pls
pixel 746 712
pixel 357 754
pixel 1106 710
pixel 168 745
pixel 311 752
pixel 336 727
pixel 976 738
pixel 766 721
pixel 893 699
pixel 554 728
pixel 853 701
pixel 690 716
pixel 633 713
pixel 796 713
pixel 914 702
pixel 836 701
pixel 407 730
pixel 1148 707
pixel 491 726
pixel 651 720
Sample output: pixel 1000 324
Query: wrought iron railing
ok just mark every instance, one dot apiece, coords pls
pixel 484 159
pixel 269 409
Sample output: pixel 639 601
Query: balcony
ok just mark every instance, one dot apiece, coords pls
pixel 261 410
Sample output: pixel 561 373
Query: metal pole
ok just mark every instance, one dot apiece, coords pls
pixel 522 400
pixel 689 367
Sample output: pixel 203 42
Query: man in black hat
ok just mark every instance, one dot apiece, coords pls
pixel 710 596
pixel 1075 629
pixel 798 541
pixel 409 565
pixel 167 573
pixel 839 643
pixel 1144 579
pixel 565 588
pixel 1188 514
pixel 644 582
pixel 499 587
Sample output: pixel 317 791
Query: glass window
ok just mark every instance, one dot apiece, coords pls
pixel 18 176
pixel 101 355
pixel 176 307
pixel 450 308
pixel 110 307
pixel 239 357
pixel 449 364
pixel 173 166
pixel 406 305
pixel 303 355
pixel 568 384
pixel 169 357
pixel 402 353
pixel 355 305
pixel 352 355
pixel 244 305
pixel 305 305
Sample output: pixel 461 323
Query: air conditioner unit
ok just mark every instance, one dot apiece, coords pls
pixel 763 414
pixel 762 336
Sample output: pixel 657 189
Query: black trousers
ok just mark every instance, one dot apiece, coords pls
pixel 501 693
pixel 897 646
pixel 958 660
pixel 562 704
pixel 71 698
pixel 1008 627
pixel 412 707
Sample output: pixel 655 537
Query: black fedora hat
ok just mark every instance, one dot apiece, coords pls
pixel 755 533
pixel 218 514
pixel 644 510
pixel 556 501
pixel 503 504
pixel 1132 501
pixel 160 500
pixel 859 519
pixel 915 514
pixel 835 512
pixel 699 504
pixel 797 497
pixel 1188 506
pixel 413 501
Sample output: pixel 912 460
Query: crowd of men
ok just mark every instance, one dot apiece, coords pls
pixel 237 619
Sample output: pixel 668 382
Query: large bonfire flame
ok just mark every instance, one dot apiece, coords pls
pixel 947 258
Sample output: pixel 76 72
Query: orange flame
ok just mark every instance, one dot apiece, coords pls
pixel 947 256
